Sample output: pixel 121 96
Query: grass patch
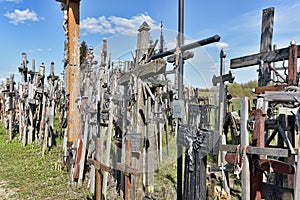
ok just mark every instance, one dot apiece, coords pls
pixel 32 176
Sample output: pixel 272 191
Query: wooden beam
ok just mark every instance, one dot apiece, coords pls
pixel 292 68
pixel 127 169
pixel 257 150
pixel 244 144
pixel 267 57
pixel 98 173
pixel 73 70
pixel 266 44
pixel 263 89
pixel 98 165
pixel 144 71
pixel 281 96
pixel 256 175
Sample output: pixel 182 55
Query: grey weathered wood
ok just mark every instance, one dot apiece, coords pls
pixel 281 96
pixel 84 147
pixel 108 141
pixel 257 150
pixel 127 169
pixel 297 182
pixel 10 117
pixel 266 55
pixel 150 151
pixel 144 71
pixel 46 133
pixel 140 128
pixel 244 144
pixel 255 59
pixel 266 44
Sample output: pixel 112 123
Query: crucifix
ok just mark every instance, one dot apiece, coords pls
pixel 267 55
pixel 179 62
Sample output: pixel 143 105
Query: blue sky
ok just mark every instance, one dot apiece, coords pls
pixel 35 27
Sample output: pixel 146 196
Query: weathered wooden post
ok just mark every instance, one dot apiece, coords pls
pixel 98 173
pixel 256 176
pixel 179 64
pixel 222 111
pixel 266 45
pixel 72 25
pixel 244 144
pixel 11 105
pixel 150 150
pixel 127 175
pixel 109 136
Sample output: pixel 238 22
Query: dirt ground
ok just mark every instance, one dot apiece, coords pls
pixel 5 193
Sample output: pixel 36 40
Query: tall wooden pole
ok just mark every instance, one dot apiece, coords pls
pixel 180 42
pixel 244 143
pixel 73 70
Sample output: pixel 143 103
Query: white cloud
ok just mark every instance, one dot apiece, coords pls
pixel 115 25
pixel 40 50
pixel 20 16
pixel 222 45
pixel 13 1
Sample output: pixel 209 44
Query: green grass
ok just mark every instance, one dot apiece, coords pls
pixel 31 176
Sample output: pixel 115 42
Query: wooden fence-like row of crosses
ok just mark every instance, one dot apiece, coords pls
pixel 128 108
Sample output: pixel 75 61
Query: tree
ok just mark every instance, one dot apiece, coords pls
pixel 235 89
pixel 240 90
pixel 83 51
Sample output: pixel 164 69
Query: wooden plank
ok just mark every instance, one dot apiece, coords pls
pixel 98 173
pixel 244 144
pixel 276 192
pixel 292 66
pixel 109 136
pixel 257 150
pixel 297 183
pixel 256 175
pixel 255 59
pixel 266 45
pixel 228 147
pixel 128 163
pixel 144 71
pixel 263 89
pixel 98 165
pixel 281 96
pixel 268 151
pixel 150 151
pixel 127 169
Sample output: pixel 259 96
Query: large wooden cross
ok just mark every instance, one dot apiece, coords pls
pixel 267 55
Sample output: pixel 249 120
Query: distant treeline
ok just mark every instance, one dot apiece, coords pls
pixel 243 89
pixel 240 89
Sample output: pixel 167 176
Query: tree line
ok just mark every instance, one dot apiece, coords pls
pixel 242 89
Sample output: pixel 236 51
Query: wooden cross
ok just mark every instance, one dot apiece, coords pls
pixel 127 169
pixel 100 167
pixel 258 160
pixel 267 55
